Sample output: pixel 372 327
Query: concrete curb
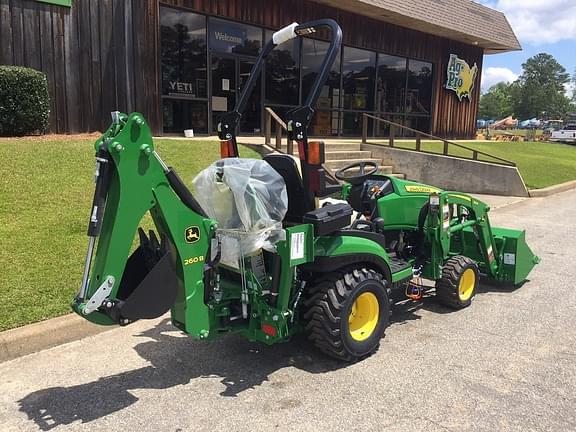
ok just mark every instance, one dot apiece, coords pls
pixel 551 190
pixel 39 336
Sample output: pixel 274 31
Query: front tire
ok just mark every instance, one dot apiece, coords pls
pixel 457 286
pixel 348 312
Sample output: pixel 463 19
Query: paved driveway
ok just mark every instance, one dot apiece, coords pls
pixel 506 363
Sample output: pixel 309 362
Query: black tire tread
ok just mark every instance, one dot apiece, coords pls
pixel 447 285
pixel 324 304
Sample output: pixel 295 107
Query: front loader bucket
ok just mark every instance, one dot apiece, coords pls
pixel 518 260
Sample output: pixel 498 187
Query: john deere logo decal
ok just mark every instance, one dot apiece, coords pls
pixel 461 77
pixel 192 234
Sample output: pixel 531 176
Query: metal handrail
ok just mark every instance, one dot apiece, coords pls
pixel 280 126
pixel 418 137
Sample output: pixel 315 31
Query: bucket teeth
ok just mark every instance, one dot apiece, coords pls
pixel 152 249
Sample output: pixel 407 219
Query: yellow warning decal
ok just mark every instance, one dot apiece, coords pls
pixel 421 189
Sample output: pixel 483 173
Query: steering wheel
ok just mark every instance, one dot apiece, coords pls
pixel 362 174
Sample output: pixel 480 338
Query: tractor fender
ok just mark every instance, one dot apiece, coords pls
pixel 335 252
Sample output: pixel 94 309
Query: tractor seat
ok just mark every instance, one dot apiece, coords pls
pixel 300 200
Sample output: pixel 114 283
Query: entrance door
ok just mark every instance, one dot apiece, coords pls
pixel 229 74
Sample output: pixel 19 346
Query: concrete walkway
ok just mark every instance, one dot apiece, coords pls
pixel 508 363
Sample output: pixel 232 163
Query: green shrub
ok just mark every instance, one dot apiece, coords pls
pixel 24 101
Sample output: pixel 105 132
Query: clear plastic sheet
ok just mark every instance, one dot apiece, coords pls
pixel 248 199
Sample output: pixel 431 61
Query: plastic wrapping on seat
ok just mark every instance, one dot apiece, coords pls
pixel 248 199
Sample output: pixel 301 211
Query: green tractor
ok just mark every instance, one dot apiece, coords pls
pixel 253 251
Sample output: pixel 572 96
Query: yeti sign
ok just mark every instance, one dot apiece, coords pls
pixel 461 77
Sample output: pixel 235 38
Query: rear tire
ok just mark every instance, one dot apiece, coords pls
pixel 348 312
pixel 457 286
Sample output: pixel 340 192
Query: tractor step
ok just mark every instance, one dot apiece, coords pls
pixel 401 269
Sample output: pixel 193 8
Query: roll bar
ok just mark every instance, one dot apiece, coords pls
pixel 298 118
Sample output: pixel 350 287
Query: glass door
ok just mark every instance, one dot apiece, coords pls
pixel 252 118
pixel 229 74
pixel 223 86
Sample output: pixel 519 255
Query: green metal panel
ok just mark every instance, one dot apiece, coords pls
pixel 67 3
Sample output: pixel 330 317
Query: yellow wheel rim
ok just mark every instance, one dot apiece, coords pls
pixel 364 316
pixel 466 285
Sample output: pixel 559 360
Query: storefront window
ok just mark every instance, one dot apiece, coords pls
pixel 419 93
pixel 235 38
pixel 325 123
pixel 179 115
pixel 282 73
pixel 391 84
pixel 358 70
pixel 326 119
pixel 418 123
pixel 352 123
pixel 313 54
pixel 183 53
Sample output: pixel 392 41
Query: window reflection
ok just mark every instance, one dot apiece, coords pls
pixel 179 115
pixel 326 120
pixel 183 53
pixel 419 93
pixel 282 73
pixel 313 54
pixel 391 84
pixel 358 70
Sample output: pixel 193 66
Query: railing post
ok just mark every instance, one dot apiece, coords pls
pixel 364 128
pixel 290 147
pixel 278 137
pixel 268 128
pixel 418 142
pixel 475 155
pixel 445 148
pixel 391 137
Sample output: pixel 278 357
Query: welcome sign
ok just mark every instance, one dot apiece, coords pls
pixel 461 77
pixel 225 37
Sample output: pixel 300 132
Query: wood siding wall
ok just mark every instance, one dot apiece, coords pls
pixel 101 55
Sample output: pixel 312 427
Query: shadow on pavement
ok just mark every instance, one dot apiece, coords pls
pixel 174 360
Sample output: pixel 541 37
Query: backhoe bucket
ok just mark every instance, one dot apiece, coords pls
pixel 518 260
pixel 147 294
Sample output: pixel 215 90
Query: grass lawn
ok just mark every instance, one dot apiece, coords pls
pixel 541 164
pixel 46 190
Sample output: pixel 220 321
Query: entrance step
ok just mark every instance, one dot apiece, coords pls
pixel 382 169
pixel 335 164
pixel 348 155
pixel 330 147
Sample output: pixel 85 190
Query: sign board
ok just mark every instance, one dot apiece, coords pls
pixel 57 2
pixel 461 77
pixel 225 36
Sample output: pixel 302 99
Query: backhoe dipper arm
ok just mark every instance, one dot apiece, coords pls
pixel 166 271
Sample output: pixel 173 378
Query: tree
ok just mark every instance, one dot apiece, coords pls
pixel 495 104
pixel 541 89
pixel 574 89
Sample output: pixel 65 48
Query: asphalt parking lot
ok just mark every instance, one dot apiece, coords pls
pixel 508 363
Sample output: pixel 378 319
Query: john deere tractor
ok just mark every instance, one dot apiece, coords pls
pixel 256 249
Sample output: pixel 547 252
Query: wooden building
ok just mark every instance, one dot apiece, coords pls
pixel 182 62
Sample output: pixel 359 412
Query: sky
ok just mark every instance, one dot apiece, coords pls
pixel 541 26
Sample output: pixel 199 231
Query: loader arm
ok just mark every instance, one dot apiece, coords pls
pixel 166 271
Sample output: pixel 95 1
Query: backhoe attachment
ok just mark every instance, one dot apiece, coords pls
pixel 123 283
